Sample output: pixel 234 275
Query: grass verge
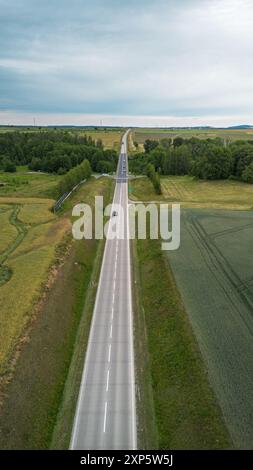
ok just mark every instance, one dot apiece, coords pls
pixel 147 433
pixel 65 417
pixel 186 411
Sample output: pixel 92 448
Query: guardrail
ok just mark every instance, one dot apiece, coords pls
pixel 65 196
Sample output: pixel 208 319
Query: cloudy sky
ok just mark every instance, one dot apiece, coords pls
pixel 156 62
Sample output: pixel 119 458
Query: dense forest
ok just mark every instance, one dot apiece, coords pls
pixel 57 151
pixel 205 159
pixel 54 151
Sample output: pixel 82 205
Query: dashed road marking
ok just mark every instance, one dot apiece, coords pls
pixel 107 380
pixel 105 415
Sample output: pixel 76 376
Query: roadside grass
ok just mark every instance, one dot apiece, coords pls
pixel 186 412
pixel 43 365
pixel 191 192
pixel 86 193
pixel 147 432
pixel 141 189
pixel 84 304
pixel 22 184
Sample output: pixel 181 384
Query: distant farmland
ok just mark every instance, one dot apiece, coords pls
pixel 110 137
pixel 229 135
pixel 213 270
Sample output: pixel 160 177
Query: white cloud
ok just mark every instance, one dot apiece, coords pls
pixel 157 58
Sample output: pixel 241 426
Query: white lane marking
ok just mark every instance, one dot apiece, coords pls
pixel 107 380
pixel 105 415
pixel 112 312
pixel 109 353
pixel 111 331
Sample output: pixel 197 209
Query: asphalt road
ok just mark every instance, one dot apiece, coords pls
pixel 106 415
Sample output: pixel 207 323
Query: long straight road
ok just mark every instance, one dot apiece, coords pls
pixel 106 415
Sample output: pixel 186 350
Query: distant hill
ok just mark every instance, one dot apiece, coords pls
pixel 242 126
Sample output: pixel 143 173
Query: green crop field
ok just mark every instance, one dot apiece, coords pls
pixel 213 270
pixel 177 407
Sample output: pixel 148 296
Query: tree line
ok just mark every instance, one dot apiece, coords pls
pixel 73 177
pixel 154 178
pixel 207 159
pixel 54 151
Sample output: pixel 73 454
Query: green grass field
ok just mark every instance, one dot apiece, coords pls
pixel 25 184
pixel 29 236
pixel 191 192
pixel 8 231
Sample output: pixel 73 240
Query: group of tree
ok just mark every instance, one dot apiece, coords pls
pixel 205 159
pixel 54 151
pixel 154 178
pixel 73 177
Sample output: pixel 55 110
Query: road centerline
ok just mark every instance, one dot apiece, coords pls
pixel 105 416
